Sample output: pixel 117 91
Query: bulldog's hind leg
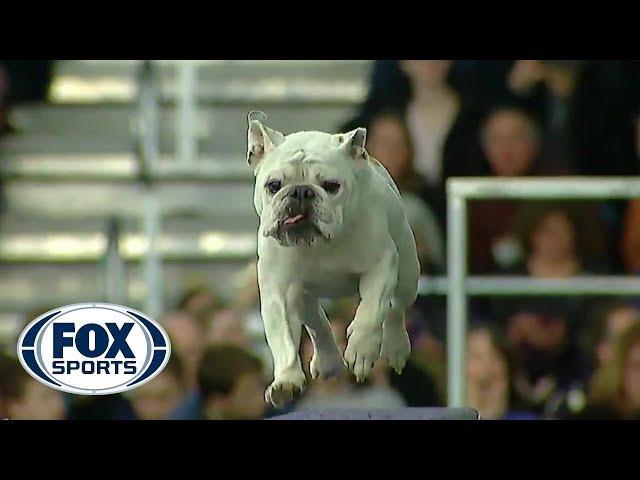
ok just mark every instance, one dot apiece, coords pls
pixel 327 360
pixel 364 334
pixel 396 346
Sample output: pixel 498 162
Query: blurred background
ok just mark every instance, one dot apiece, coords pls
pixel 126 181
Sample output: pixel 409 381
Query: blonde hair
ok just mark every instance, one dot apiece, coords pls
pixel 607 386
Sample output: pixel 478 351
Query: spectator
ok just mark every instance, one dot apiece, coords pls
pixel 558 240
pixel 610 321
pixel 247 298
pixel 187 341
pixel 389 142
pixel 442 129
pixel 489 388
pixel 587 108
pixel 231 384
pixel 547 359
pixel 540 329
pixel 616 317
pixel 511 143
pixel 25 398
pixel 442 113
pixel 156 399
pixel 226 327
pixel 615 391
pixel 479 82
pixel 198 301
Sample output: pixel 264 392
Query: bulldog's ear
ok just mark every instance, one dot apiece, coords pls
pixel 261 139
pixel 354 143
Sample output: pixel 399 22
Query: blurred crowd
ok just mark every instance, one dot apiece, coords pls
pixel 527 357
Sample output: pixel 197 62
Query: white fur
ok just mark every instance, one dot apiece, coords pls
pixel 370 251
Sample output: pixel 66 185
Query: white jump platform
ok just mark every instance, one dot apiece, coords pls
pixel 395 414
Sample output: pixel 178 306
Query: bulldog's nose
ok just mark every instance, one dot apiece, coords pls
pixel 302 192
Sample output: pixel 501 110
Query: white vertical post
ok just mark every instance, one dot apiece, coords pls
pixel 151 214
pixel 186 122
pixel 115 277
pixel 148 128
pixel 457 297
pixel 153 260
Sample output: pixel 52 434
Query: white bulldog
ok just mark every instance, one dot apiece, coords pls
pixel 331 225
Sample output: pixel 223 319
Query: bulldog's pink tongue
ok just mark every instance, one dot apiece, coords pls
pixel 292 220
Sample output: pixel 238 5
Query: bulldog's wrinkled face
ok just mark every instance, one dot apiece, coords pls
pixel 305 182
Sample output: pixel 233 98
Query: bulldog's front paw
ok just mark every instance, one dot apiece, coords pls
pixel 326 364
pixel 363 350
pixel 285 387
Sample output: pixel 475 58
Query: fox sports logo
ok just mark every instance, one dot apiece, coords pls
pixel 93 349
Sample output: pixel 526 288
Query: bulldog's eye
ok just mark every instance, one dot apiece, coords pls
pixel 331 187
pixel 273 186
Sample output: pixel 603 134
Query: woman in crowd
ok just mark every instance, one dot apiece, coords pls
pixel 488 370
pixel 187 341
pixel 226 327
pixel 609 322
pixel 442 118
pixel 231 385
pixel 615 391
pixel 158 398
pixel 443 123
pixel 198 301
pixel 541 330
pixel 24 398
pixel 511 145
pixel 559 240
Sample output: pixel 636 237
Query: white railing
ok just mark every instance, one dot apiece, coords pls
pixel 148 148
pixel 458 285
pixel 186 138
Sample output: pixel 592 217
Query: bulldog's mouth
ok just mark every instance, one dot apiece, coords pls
pixel 295 220
pixel 296 229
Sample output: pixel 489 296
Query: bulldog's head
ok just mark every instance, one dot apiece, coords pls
pixel 306 182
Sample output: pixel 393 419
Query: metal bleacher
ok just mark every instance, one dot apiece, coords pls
pixel 72 170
